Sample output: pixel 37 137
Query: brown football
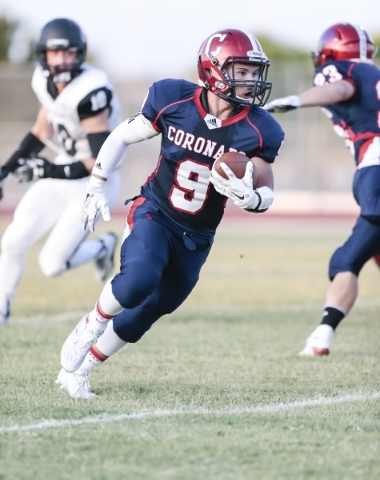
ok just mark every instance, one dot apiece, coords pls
pixel 237 163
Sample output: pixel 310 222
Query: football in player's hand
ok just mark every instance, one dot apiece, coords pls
pixel 237 162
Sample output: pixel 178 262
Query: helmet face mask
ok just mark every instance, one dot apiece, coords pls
pixel 344 41
pixel 61 34
pixel 258 87
pixel 219 59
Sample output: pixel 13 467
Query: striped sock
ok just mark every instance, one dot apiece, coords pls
pixel 97 320
pixel 91 360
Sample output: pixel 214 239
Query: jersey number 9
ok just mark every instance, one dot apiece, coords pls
pixel 190 192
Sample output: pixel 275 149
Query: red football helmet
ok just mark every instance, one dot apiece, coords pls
pixel 230 47
pixel 344 41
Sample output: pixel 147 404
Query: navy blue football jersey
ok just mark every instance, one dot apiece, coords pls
pixel 357 120
pixel 192 140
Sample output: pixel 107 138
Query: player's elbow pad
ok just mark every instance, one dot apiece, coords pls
pixel 261 201
pixel 137 128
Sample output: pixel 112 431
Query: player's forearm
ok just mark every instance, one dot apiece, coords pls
pixel 327 94
pixel 134 130
pixel 264 173
pixel 42 133
pixel 88 164
pixel 110 154
pixel 42 128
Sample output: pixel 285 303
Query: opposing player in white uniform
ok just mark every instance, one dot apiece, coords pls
pixel 80 109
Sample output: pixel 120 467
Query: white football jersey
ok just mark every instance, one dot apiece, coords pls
pixel 86 95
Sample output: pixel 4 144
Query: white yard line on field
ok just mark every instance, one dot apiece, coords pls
pixel 270 408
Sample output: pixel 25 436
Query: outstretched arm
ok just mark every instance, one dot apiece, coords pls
pixel 316 96
pixel 327 94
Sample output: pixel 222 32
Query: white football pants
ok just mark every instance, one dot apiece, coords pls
pixel 49 204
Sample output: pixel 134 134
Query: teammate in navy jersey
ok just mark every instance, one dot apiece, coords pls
pixel 79 108
pixel 347 85
pixel 171 224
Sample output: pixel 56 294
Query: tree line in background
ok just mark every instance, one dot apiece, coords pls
pixel 274 50
pixel 7 31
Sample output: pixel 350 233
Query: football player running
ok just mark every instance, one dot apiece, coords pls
pixel 347 85
pixel 79 107
pixel 171 224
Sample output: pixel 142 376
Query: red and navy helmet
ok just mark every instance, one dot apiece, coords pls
pixel 230 47
pixel 344 41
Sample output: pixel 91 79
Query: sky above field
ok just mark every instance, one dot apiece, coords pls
pixel 160 38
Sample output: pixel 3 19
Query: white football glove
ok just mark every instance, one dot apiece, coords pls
pixel 240 189
pixel 280 105
pixel 95 200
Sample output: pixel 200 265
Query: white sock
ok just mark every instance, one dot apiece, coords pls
pixel 86 251
pixel 109 343
pixel 97 320
pixel 5 304
pixel 91 360
pixel 108 302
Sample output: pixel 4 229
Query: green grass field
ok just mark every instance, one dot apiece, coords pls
pixel 206 382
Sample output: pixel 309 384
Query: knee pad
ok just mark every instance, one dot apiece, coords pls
pixel 129 329
pixel 131 292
